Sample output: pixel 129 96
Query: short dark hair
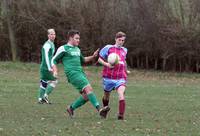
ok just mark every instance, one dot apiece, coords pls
pixel 120 34
pixel 72 32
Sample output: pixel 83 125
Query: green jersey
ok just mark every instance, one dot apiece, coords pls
pixel 71 58
pixel 48 50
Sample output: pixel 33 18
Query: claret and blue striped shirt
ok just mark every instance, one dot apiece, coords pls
pixel 119 70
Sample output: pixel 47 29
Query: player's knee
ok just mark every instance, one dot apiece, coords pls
pixel 84 96
pixel 121 95
pixel 88 89
pixel 121 98
pixel 53 83
pixel 43 84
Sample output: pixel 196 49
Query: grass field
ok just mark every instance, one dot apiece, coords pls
pixel 158 104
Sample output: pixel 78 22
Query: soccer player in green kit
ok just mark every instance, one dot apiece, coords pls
pixel 71 58
pixel 47 79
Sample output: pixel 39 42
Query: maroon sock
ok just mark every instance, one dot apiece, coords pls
pixel 122 105
pixel 105 102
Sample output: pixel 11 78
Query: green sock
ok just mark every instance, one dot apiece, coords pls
pixel 92 98
pixel 41 93
pixel 78 102
pixel 49 89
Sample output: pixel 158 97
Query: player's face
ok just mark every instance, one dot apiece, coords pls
pixel 52 36
pixel 75 40
pixel 120 41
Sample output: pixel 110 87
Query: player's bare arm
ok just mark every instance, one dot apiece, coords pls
pixel 90 58
pixel 127 71
pixel 55 70
pixel 104 63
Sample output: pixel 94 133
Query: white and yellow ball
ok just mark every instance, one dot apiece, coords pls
pixel 113 59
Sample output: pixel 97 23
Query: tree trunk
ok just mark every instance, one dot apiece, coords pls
pixel 63 5
pixel 180 66
pixel 190 63
pixel 7 14
pixel 182 12
pixel 147 61
pixel 164 64
pixel 156 64
pixel 174 64
pixel 197 66
pixel 138 62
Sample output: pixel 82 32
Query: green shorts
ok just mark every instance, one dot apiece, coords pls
pixel 78 80
pixel 46 75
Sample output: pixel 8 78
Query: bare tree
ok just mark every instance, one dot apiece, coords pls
pixel 7 13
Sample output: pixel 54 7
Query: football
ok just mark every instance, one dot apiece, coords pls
pixel 113 59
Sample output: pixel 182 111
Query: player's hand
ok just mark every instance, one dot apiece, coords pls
pixel 128 72
pixel 55 71
pixel 109 65
pixel 95 54
pixel 55 74
pixel 51 70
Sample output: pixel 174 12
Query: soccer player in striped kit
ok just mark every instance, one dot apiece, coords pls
pixel 47 80
pixel 114 77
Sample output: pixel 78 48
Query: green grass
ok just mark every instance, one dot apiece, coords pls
pixel 158 104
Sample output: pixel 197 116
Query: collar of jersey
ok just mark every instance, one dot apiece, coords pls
pixel 117 46
pixel 69 45
pixel 50 41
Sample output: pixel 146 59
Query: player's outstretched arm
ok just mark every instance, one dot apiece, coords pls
pixel 90 58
